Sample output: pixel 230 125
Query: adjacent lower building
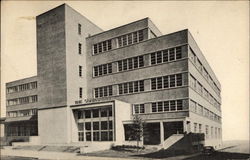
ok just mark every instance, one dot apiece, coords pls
pixel 90 83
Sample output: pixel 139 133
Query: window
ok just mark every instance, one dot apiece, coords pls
pixel 79 29
pixel 153 58
pixel 103 69
pixel 131 63
pixel 80 71
pixel 131 87
pixel 102 47
pixel 195 127
pixel 166 82
pixel 200 128
pixel 130 38
pixel 178 53
pixel 171 54
pixel 79 48
pixel 80 92
pixel 139 108
pixel 166 106
pixel 103 91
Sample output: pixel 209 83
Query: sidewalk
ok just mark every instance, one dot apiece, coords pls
pixel 51 155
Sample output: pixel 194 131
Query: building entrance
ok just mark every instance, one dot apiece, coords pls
pixel 152 134
pixel 171 128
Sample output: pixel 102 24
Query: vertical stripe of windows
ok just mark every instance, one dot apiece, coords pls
pixel 165 106
pixel 80 71
pixel 80 92
pixel 79 48
pixel 166 55
pixel 103 91
pixel 102 69
pixel 131 87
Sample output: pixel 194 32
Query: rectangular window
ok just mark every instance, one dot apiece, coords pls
pixel 129 38
pixel 80 92
pixel 125 64
pixel 141 61
pixel 95 71
pixel 100 69
pixel 179 80
pixel 136 62
pixel 171 54
pixel 136 86
pixel 135 37
pixel 179 105
pixel 160 106
pixel 125 87
pixel 166 106
pixel 166 81
pixel 105 69
pixel 120 86
pixel 79 48
pixel 104 46
pixel 153 83
pixel 95 49
pixel 153 58
pixel 178 53
pixel 119 65
pixel 96 93
pixel 165 56
pixel 172 80
pixel 141 83
pixel 154 109
pixel 109 45
pixel 141 37
pixel 159 83
pixel 130 63
pixel 130 87
pixel 110 68
pixel 79 29
pixel 159 57
pixel 80 71
pixel 172 106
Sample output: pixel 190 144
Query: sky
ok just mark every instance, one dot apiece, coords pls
pixel 221 29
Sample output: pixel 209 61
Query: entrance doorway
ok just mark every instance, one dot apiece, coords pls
pixel 171 128
pixel 152 134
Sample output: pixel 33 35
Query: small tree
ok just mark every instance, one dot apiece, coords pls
pixel 137 129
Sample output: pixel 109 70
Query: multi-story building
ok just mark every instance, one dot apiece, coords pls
pixel 90 83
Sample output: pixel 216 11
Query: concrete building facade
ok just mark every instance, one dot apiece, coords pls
pixel 90 83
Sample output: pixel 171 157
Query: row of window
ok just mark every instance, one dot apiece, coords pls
pixel 199 109
pixel 166 81
pixel 130 38
pixel 203 71
pixel 96 136
pixel 102 46
pixel 23 130
pixel 139 61
pixel 22 100
pixel 130 63
pixel 103 69
pixel 103 91
pixel 166 106
pixel 94 113
pixel 162 106
pixel 131 87
pixel 167 55
pixel 22 87
pixel 196 85
pixel 121 41
pixel 21 113
pixel 217 131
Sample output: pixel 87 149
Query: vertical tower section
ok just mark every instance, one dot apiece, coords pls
pixel 51 58
pixel 77 28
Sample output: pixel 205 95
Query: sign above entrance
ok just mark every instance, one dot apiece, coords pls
pixel 92 100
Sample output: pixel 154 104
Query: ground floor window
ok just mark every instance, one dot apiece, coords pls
pixel 95 124
pixel 22 129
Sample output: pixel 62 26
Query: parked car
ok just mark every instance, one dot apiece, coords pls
pixel 208 150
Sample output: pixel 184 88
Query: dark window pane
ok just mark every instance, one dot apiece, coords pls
pixel 141 83
pixel 87 113
pixel 135 62
pixel 88 136
pixel 153 83
pixel 154 107
pixel 104 125
pixel 125 87
pixel 104 136
pixel 119 65
pixel 160 109
pixel 165 56
pixel 141 61
pixel 96 136
pixel 153 60
pixel 80 126
pixel 95 113
pixel 172 81
pixel 125 64
pixel 130 63
pixel 130 87
pixel 159 82
pixel 172 105
pixel 159 57
pixel 171 54
pixel 104 113
pixel 88 125
pixel 166 106
pixel 179 79
pixel 95 125
pixel 110 125
pixel 136 86
pixel 178 53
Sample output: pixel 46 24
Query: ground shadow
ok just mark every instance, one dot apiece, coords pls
pixel 220 156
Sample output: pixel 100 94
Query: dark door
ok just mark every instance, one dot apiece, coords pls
pixel 152 134
pixel 172 128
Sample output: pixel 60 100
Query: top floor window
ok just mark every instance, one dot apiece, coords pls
pixel 22 87
pixel 102 47
pixel 79 29
pixel 130 38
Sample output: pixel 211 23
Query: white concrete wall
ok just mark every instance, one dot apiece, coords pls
pixel 53 125
pixel 123 112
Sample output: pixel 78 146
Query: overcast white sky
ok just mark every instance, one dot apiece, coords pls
pixel 221 30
